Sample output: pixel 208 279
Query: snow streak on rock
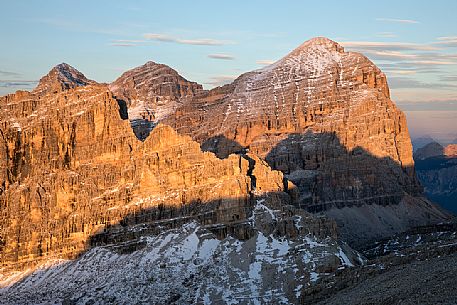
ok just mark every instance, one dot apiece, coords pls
pixel 187 265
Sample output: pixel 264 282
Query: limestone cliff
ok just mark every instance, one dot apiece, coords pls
pixel 71 167
pixel 323 117
pixel 152 91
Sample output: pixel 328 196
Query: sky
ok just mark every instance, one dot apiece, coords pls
pixel 212 42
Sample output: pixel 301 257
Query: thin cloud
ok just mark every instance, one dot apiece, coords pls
pixel 433 62
pixel 17 83
pixel 221 80
pixel 401 72
pixel 200 42
pixel 10 74
pixel 221 56
pixel 265 62
pixel 386 35
pixel 411 83
pixel 416 58
pixel 127 42
pixel 75 26
pixel 394 20
pixel 447 41
pixel 448 78
pixel 389 55
pixel 124 44
pixel 429 105
pixel 392 46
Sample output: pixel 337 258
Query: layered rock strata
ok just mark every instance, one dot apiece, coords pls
pixel 191 264
pixel 152 92
pixel 324 118
pixel 71 166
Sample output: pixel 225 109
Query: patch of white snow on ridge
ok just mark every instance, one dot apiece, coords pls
pixel 343 258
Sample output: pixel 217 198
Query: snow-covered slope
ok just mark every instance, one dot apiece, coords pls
pixel 188 265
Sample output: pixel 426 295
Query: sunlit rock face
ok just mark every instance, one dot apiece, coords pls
pixel 71 166
pixel 316 130
pixel 77 184
pixel 323 117
pixel 151 92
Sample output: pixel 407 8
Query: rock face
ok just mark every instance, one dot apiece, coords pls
pixel 436 168
pixel 315 131
pixel 450 150
pixel 152 91
pixel 61 77
pixel 323 117
pixel 191 265
pixel 76 183
pixel 71 166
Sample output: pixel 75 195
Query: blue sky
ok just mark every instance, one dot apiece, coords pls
pixel 414 42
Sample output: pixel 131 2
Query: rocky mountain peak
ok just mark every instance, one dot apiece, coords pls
pixel 451 150
pixel 317 57
pixel 320 42
pixel 62 77
pixel 152 91
pixel 433 149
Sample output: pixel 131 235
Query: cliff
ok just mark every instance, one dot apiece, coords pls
pixel 71 167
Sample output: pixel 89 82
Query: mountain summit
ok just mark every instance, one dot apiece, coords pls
pixel 61 77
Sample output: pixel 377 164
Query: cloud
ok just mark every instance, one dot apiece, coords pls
pixel 221 56
pixel 124 44
pixel 394 20
pixel 265 62
pixel 411 83
pixel 452 78
pixel 389 55
pixel 446 41
pixel 392 46
pixel 17 83
pixel 221 80
pixel 447 38
pixel 401 72
pixel 200 42
pixel 67 24
pixel 386 35
pixel 10 74
pixel 127 42
pixel 429 105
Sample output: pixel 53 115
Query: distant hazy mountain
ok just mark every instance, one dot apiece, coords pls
pixel 436 168
pixel 421 142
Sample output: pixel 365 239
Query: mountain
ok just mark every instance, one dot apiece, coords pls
pixel 436 168
pixel 152 91
pixel 432 149
pixel 421 142
pixel 60 78
pixel 323 117
pixel 192 265
pixel 450 150
pixel 77 184
pixel 154 190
